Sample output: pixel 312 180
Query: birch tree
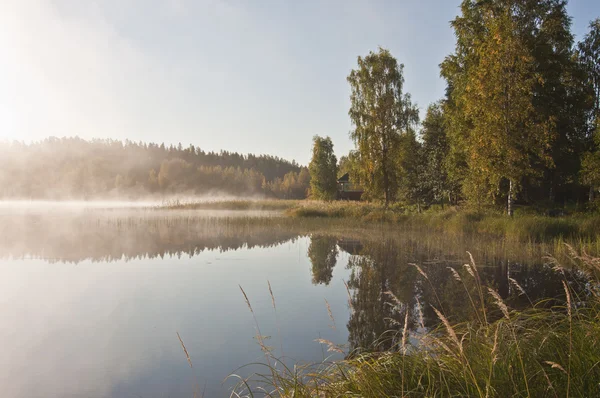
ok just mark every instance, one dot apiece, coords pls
pixel 589 55
pixel 500 104
pixel 381 113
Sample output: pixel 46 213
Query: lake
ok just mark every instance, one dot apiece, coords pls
pixel 92 299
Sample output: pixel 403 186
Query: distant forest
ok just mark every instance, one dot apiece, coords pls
pixel 73 168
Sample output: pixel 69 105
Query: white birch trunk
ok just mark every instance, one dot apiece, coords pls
pixel 510 199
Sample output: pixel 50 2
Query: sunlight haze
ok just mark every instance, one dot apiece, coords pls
pixel 260 77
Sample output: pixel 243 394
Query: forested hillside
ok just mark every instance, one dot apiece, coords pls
pixel 60 168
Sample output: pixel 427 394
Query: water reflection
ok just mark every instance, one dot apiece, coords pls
pixel 141 276
pixel 323 253
pixel 389 278
pixel 105 236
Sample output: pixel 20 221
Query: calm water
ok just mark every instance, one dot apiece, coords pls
pixel 91 301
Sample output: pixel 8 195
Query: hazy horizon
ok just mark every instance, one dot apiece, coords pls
pixel 222 75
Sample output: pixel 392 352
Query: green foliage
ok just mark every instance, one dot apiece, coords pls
pixel 323 169
pixel 292 186
pixel 344 165
pixel 435 155
pixel 589 53
pixel 412 170
pixel 516 101
pixel 590 166
pixel 499 102
pixel 381 113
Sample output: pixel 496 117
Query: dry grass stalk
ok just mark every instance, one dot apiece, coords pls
pixel 455 274
pixel 449 328
pixel 331 347
pixel 405 333
pixel 554 365
pixel 185 350
pixel 495 347
pixel 551 261
pixel 423 274
pixel 472 261
pixel 517 286
pixel 259 336
pixel 395 299
pixel 246 298
pixel 469 270
pixel 392 321
pixel 349 295
pixel 499 302
pixel 276 317
pixel 330 314
pixel 272 296
pixel 420 315
pixel 568 294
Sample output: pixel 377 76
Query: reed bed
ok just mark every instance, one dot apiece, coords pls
pixel 522 227
pixel 541 351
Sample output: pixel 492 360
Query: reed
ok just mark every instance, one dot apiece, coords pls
pixel 537 352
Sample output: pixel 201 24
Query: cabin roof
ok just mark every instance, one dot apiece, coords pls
pixel 344 178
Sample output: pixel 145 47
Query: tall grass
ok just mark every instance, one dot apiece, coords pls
pixel 521 227
pixel 541 351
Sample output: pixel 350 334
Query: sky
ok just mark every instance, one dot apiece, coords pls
pixel 252 76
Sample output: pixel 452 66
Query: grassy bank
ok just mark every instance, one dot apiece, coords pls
pixel 265 204
pixel 537 352
pixel 521 227
pixel 579 229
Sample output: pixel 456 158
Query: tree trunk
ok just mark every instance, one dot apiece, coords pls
pixel 386 178
pixel 386 188
pixel 510 210
pixel 591 194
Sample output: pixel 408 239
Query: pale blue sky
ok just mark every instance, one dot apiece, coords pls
pixel 259 76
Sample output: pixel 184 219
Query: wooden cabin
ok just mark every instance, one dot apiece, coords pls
pixel 348 190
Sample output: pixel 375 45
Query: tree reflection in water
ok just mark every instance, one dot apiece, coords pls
pixel 384 285
pixel 323 253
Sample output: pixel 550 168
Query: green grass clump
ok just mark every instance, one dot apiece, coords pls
pixel 343 209
pixel 541 351
pixel 522 227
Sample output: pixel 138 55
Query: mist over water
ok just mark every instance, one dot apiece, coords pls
pixel 149 202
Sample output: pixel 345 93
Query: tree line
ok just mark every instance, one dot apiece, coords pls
pixel 59 168
pixel 520 119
